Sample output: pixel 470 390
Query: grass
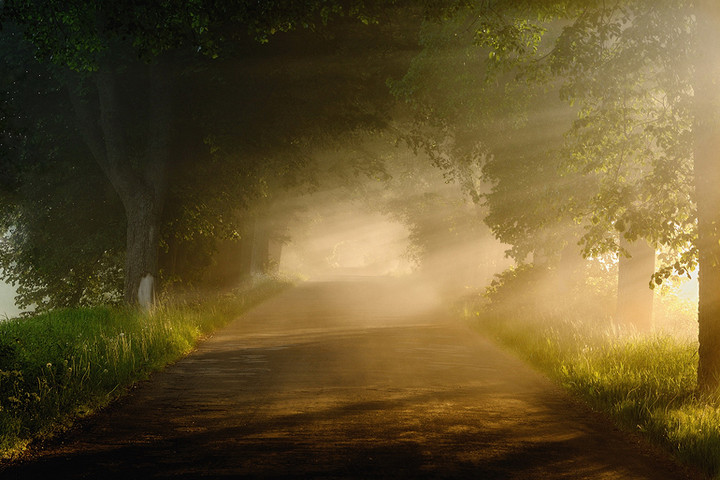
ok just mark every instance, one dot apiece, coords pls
pixel 65 364
pixel 645 383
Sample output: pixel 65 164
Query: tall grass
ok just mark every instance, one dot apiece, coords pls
pixel 64 364
pixel 647 384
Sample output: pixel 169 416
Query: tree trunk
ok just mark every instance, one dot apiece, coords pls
pixel 246 247
pixel 259 259
pixel 275 246
pixel 634 295
pixel 707 181
pixel 142 184
pixel 141 259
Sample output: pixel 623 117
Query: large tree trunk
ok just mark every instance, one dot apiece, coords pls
pixel 707 188
pixel 634 295
pixel 141 258
pixel 140 182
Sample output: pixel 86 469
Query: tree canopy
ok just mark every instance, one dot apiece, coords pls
pixel 190 113
pixel 575 125
pixel 636 161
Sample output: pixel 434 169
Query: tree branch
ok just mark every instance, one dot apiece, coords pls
pixel 115 163
pixel 158 145
pixel 87 124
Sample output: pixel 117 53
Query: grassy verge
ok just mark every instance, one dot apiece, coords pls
pixel 65 364
pixel 647 384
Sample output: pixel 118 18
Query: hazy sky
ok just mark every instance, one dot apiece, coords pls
pixel 7 302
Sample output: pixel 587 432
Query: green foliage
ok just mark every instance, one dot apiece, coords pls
pixel 628 70
pixel 52 194
pixel 646 384
pixel 81 34
pixel 517 286
pixel 459 110
pixel 545 291
pixel 623 166
pixel 86 270
pixel 477 91
pixel 246 125
pixel 67 363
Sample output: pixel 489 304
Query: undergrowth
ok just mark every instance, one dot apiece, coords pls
pixel 64 364
pixel 646 384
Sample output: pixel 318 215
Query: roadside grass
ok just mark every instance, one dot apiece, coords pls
pixel 645 383
pixel 65 364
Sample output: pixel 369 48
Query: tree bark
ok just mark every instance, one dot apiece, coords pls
pixel 141 258
pixel 706 131
pixel 142 184
pixel 634 295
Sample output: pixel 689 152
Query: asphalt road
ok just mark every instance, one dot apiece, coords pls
pixel 362 378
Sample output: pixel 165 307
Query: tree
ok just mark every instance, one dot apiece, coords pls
pixel 666 52
pixel 706 132
pixel 49 183
pixel 642 76
pixel 120 64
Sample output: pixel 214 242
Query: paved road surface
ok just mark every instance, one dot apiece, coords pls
pixel 360 378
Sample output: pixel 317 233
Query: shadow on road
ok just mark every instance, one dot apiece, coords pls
pixel 352 379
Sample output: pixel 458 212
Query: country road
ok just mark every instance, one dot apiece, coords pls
pixel 361 378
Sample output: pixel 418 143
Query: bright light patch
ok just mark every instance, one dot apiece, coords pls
pixel 688 289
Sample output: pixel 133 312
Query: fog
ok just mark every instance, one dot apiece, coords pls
pixel 333 238
pixel 355 206
pixel 400 148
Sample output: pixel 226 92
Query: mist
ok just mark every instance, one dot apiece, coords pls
pixel 337 238
pixel 360 239
pixel 404 147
